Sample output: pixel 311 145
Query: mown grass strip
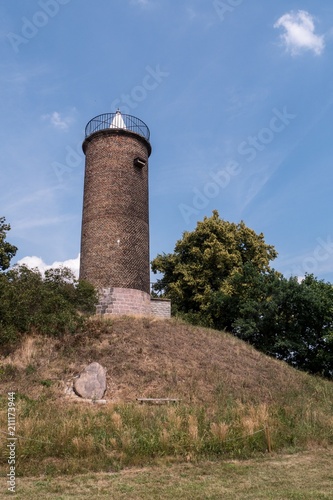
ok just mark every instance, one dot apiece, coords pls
pixel 301 476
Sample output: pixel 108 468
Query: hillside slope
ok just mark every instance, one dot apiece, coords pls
pixel 152 358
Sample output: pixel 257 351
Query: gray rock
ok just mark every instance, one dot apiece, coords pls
pixel 91 383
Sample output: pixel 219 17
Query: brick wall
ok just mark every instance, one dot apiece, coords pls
pixel 115 221
pixel 115 224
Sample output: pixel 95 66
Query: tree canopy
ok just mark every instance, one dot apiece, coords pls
pixel 205 261
pixel 220 276
pixel 285 318
pixel 7 251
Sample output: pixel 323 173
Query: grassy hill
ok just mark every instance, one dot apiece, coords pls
pixel 152 358
pixel 235 401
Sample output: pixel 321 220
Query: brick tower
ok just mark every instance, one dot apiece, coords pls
pixel 115 220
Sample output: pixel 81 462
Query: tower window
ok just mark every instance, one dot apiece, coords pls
pixel 139 162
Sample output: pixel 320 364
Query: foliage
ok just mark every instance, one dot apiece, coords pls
pixel 219 276
pixel 54 304
pixel 290 320
pixel 204 263
pixel 7 251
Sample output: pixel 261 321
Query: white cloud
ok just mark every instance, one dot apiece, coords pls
pixel 300 33
pixel 59 122
pixel 36 262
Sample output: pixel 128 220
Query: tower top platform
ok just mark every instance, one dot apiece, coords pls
pixel 117 121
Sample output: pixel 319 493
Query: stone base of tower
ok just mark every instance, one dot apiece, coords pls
pixel 123 301
pixel 131 302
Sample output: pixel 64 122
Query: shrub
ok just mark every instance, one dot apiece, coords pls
pixel 54 305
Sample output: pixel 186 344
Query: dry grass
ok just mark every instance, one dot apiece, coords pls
pixel 230 395
pixel 151 358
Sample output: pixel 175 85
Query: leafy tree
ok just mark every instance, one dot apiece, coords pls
pixel 248 304
pixel 200 272
pixel 52 305
pixel 289 320
pixel 7 251
pixel 219 276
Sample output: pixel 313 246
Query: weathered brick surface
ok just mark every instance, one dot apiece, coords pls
pixel 115 221
pixel 115 224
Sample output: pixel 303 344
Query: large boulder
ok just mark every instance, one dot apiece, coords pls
pixel 91 384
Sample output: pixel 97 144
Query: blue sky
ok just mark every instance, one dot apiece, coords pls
pixel 238 96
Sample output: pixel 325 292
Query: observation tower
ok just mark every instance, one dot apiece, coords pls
pixel 115 219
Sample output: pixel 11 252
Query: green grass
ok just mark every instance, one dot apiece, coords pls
pixel 57 438
pixel 301 476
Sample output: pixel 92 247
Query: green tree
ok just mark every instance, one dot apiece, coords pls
pixel 7 251
pixel 220 276
pixel 52 305
pixel 289 320
pixel 200 272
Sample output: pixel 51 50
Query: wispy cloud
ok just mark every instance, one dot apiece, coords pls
pixel 191 13
pixel 18 200
pixel 30 223
pixel 141 3
pixel 300 33
pixel 59 121
pixel 317 261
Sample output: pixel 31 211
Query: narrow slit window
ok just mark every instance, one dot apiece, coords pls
pixel 139 162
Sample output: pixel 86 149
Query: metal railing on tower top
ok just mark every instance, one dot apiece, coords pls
pixel 117 121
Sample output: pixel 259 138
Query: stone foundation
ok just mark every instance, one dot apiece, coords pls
pixel 160 308
pixel 123 301
pixel 131 302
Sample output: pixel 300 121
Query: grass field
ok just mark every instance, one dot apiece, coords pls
pixel 235 404
pixel 300 476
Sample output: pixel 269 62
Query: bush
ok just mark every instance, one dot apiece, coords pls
pixel 55 304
